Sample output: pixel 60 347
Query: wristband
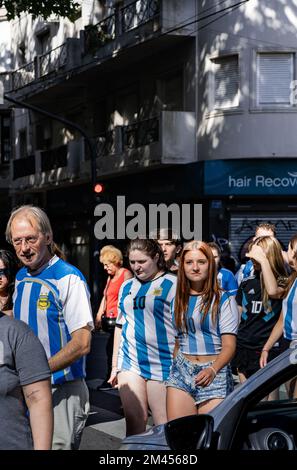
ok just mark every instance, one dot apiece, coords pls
pixel 213 369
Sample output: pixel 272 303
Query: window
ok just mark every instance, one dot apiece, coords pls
pixel 225 82
pixel 274 76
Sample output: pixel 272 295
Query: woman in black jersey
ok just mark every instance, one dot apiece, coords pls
pixel 259 312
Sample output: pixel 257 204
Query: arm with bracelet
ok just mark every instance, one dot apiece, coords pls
pixel 273 338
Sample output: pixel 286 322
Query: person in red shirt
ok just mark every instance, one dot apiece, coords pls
pixel 112 260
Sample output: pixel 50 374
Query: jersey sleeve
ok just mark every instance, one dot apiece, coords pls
pixel 232 283
pixel 229 316
pixel 77 308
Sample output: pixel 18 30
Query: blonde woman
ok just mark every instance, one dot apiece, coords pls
pixel 206 321
pixel 112 260
pixel 260 310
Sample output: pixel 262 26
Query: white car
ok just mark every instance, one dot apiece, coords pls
pixel 244 420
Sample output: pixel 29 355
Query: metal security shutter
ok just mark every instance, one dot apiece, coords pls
pixel 226 82
pixel 242 227
pixel 274 76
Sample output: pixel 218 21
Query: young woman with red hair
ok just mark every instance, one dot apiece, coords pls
pixel 206 320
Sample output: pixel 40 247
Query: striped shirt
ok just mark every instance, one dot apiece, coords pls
pixel 290 313
pixel 54 303
pixel 227 281
pixel 147 341
pixel 204 338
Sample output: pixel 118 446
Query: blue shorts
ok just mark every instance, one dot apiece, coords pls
pixel 182 376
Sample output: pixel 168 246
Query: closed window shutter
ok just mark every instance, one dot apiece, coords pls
pixel 226 82
pixel 275 73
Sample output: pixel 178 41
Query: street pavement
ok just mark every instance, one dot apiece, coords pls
pixel 105 427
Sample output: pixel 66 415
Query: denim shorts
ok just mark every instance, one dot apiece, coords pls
pixel 182 376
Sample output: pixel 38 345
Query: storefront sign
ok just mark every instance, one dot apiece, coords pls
pixel 250 177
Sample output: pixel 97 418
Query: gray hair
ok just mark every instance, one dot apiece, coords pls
pixel 35 213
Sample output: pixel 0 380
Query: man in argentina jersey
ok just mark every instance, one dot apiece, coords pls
pixel 147 332
pixel 52 297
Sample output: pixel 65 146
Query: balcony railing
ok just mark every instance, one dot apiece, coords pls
pixel 100 34
pixel 141 133
pixel 128 138
pixel 23 75
pixel 105 144
pixel 54 158
pixel 139 12
pixel 24 167
pixel 53 60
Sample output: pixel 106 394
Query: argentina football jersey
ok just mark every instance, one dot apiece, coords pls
pixel 290 313
pixel 54 304
pixel 147 341
pixel 204 337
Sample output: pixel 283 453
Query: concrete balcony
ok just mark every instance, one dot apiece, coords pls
pixel 164 140
pixel 32 76
pixel 50 168
pixel 134 24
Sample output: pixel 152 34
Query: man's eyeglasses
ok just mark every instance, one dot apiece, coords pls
pixel 28 240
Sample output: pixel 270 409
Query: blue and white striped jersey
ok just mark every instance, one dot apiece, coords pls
pixel 54 303
pixel 289 307
pixel 245 271
pixel 227 281
pixel 204 338
pixel 147 341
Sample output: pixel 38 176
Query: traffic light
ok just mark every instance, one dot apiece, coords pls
pixel 98 190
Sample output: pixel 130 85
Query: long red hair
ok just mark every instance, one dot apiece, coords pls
pixel 210 294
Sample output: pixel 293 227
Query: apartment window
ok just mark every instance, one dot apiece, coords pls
pixel 275 73
pixel 225 82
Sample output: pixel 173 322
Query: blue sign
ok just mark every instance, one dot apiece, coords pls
pixel 250 177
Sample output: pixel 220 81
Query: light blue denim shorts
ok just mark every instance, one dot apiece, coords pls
pixel 182 375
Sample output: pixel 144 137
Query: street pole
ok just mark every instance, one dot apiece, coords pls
pixel 94 276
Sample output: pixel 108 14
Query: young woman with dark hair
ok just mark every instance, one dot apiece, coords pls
pixel 144 336
pixel 8 269
pixel 206 321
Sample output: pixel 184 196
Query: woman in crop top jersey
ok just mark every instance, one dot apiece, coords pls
pixel 206 321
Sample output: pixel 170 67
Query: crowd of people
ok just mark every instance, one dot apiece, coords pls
pixel 180 327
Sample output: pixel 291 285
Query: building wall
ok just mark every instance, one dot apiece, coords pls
pixel 247 130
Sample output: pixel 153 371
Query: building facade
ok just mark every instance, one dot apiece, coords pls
pixel 169 102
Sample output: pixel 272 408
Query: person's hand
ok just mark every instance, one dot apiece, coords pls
pixel 205 377
pixel 113 379
pixel 264 358
pixel 256 253
pixel 98 321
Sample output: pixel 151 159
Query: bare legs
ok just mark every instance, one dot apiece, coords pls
pixel 180 403
pixel 137 394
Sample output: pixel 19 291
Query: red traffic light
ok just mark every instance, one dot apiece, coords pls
pixel 98 188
